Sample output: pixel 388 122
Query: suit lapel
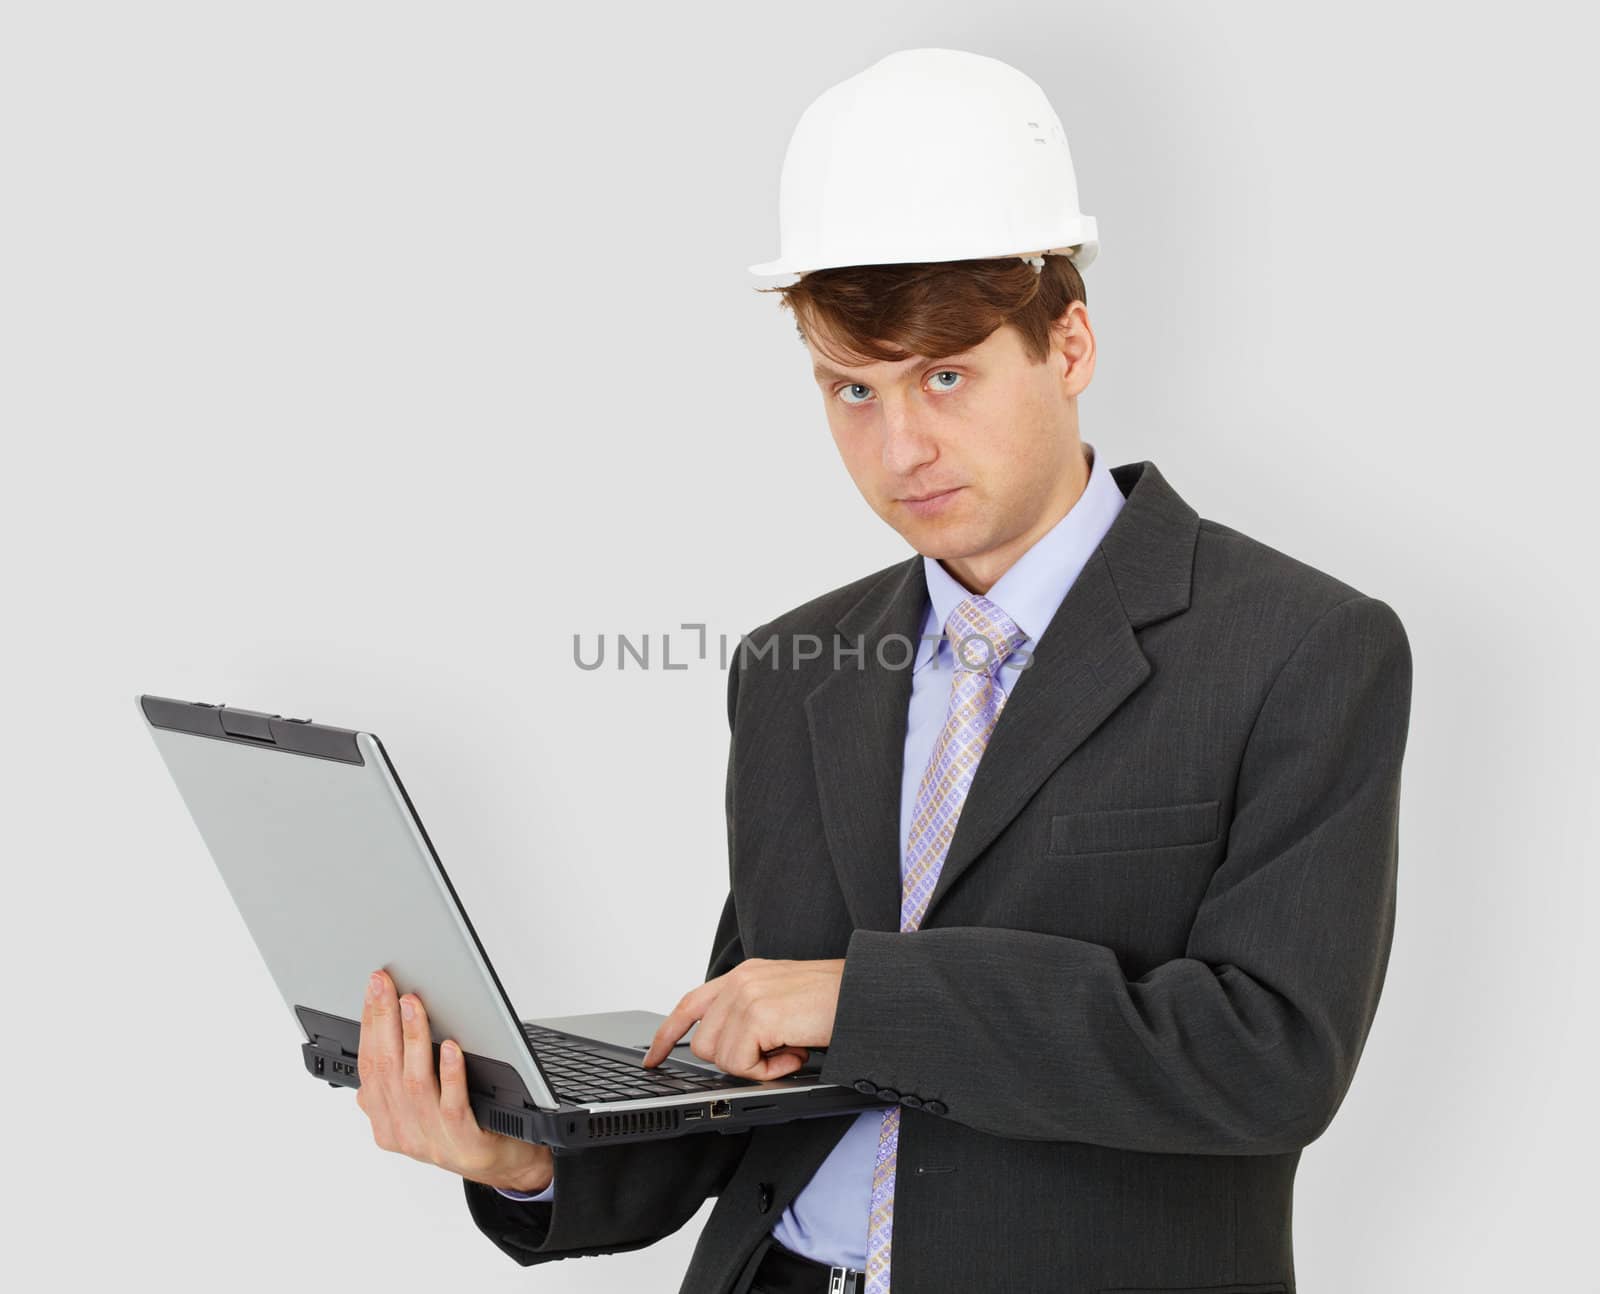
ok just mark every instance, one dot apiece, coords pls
pixel 857 720
pixel 1084 666
pixel 1086 663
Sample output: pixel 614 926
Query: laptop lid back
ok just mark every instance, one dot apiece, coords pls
pixel 334 876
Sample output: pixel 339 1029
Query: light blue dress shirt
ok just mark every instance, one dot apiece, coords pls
pixel 827 1221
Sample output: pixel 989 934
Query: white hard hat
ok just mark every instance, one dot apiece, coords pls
pixel 929 155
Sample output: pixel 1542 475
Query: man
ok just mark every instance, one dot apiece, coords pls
pixel 1072 837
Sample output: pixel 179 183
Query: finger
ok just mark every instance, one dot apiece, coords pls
pixel 734 1040
pixel 780 1064
pixel 719 1024
pixel 456 1119
pixel 676 1024
pixel 666 1037
pixel 710 1038
pixel 781 1061
pixel 475 1152
pixel 705 1044
pixel 372 1096
pixel 745 1032
pixel 387 1045
pixel 746 1043
pixel 363 1042
pixel 416 1077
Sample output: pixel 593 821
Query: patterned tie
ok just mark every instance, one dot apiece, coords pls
pixel 981 636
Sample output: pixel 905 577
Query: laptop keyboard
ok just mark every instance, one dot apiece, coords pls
pixel 577 1074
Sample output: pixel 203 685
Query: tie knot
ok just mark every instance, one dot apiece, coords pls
pixel 981 635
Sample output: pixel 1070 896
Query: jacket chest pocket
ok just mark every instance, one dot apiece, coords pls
pixel 1113 831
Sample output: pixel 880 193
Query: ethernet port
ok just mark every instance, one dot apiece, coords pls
pixel 720 1109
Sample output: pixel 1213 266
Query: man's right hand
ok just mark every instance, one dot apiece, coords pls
pixel 431 1121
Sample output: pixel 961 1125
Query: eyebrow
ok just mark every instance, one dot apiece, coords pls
pixel 823 371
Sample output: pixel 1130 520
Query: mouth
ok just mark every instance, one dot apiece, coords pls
pixel 930 505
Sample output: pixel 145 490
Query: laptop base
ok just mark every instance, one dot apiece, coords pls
pixel 501 1104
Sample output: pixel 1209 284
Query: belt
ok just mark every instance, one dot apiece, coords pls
pixel 783 1271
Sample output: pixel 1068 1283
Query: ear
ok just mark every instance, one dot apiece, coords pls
pixel 1071 335
pixel 1068 321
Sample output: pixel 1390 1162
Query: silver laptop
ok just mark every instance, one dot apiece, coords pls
pixel 329 864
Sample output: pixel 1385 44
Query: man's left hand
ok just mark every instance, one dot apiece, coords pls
pixel 758 1020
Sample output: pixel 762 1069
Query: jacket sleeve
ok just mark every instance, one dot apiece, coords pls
pixel 607 1199
pixel 1248 1042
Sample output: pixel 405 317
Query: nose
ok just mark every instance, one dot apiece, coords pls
pixel 906 447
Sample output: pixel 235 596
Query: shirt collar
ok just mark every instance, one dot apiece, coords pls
pixel 1036 583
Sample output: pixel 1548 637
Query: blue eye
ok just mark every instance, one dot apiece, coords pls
pixel 862 386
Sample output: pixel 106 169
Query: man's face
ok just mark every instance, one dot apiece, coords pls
pixel 971 457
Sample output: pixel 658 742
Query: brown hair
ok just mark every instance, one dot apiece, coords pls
pixel 930 308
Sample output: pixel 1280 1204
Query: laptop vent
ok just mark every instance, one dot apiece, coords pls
pixel 617 1125
pixel 505 1122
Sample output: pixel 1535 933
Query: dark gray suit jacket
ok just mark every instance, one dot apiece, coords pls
pixel 1152 957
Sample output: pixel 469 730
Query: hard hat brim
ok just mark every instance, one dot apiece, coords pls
pixel 771 267
pixel 1087 251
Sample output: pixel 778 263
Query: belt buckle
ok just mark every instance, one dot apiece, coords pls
pixel 842 1280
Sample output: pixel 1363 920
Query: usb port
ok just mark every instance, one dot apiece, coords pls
pixel 689 1116
pixel 720 1109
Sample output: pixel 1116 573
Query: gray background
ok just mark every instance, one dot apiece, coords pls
pixel 357 356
